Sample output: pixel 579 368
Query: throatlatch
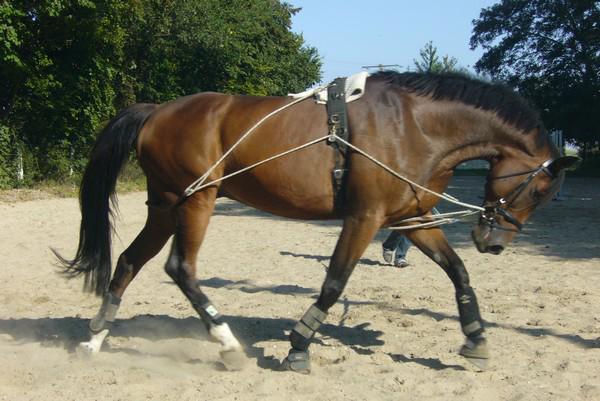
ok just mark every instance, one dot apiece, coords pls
pixel 337 119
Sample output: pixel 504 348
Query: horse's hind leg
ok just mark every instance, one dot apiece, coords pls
pixel 191 223
pixel 434 244
pixel 157 230
pixel 357 233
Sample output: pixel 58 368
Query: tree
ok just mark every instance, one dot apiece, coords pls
pixel 550 51
pixel 237 46
pixel 10 63
pixel 58 75
pixel 431 62
pixel 66 66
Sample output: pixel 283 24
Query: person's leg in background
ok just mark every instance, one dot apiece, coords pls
pixel 395 248
pixel 390 244
pixel 401 250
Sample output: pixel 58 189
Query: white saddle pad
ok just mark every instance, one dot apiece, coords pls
pixel 354 88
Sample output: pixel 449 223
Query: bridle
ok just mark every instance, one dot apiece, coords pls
pixel 500 207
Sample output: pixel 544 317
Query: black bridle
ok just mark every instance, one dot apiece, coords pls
pixel 500 207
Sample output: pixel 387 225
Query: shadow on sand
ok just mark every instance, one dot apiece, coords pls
pixel 432 363
pixel 325 259
pixel 67 332
pixel 574 339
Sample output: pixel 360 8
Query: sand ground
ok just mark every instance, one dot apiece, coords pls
pixel 392 336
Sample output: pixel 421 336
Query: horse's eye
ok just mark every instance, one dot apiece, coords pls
pixel 537 195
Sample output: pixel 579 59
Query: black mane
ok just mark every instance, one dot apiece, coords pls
pixel 506 103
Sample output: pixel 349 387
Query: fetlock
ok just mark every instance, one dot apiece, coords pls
pixel 105 317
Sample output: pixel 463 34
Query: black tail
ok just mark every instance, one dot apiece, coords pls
pixel 97 192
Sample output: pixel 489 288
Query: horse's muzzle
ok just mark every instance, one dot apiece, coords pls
pixel 487 240
pixel 494 249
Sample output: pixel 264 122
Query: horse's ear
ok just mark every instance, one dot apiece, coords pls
pixel 563 162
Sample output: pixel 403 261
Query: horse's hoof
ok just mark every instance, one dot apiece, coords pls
pixel 234 359
pixel 85 350
pixel 88 348
pixel 479 363
pixel 476 351
pixel 297 361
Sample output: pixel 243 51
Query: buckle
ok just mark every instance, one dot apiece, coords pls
pixel 338 173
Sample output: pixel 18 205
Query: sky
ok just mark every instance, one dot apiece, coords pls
pixel 350 34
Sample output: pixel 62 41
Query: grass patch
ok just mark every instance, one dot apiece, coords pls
pixel 132 179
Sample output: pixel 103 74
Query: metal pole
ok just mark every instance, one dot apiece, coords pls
pixel 557 138
pixel 20 169
pixel 381 67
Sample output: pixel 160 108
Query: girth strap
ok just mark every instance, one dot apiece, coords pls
pixel 337 119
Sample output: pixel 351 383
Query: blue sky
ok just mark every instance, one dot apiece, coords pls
pixel 386 32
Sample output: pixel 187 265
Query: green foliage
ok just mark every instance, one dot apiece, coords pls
pixel 430 61
pixel 237 46
pixel 6 159
pixel 550 51
pixel 67 66
pixel 60 88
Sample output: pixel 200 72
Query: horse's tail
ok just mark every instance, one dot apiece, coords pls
pixel 97 192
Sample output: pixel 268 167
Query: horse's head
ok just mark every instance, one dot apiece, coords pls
pixel 514 189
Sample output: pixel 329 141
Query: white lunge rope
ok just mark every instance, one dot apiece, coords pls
pixel 433 220
pixel 201 186
pixel 444 196
pixel 424 222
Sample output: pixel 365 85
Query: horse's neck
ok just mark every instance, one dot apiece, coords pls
pixel 471 134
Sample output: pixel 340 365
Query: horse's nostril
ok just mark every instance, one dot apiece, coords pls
pixel 495 249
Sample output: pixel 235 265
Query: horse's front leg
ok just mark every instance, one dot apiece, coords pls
pixel 357 233
pixel 434 244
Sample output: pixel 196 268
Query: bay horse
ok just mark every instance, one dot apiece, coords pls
pixel 422 125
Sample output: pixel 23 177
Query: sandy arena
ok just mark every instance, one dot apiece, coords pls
pixel 393 335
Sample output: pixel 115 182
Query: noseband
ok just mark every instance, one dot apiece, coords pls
pixel 500 207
